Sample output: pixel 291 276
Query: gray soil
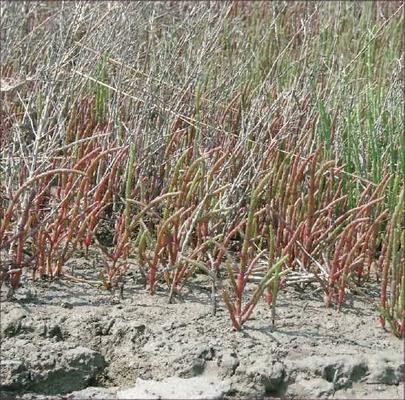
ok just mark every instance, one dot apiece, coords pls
pixel 70 340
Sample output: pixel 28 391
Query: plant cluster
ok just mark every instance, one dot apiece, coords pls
pixel 240 140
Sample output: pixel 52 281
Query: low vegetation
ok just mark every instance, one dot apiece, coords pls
pixel 237 139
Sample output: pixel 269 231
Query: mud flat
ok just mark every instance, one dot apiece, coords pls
pixel 73 341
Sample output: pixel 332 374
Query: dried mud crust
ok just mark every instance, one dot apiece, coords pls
pixel 70 340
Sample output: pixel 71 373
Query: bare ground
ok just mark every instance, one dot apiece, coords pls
pixel 69 340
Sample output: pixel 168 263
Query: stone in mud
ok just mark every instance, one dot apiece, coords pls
pixel 197 366
pixel 52 330
pixel 229 362
pixel 370 392
pixel 11 321
pixel 265 375
pixel 13 374
pixel 28 396
pixel 386 368
pixel 50 368
pixel 94 393
pixel 201 387
pixel 340 370
pixel 310 389
pixel 82 358
pixel 206 353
